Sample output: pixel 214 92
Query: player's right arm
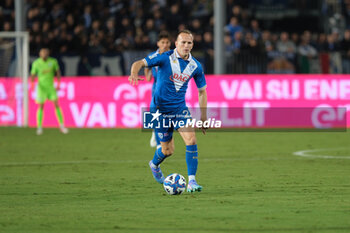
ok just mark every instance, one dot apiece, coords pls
pixel 135 69
pixel 33 74
pixel 148 71
pixel 150 61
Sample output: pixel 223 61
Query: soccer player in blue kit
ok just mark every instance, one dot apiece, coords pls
pixel 163 44
pixel 175 69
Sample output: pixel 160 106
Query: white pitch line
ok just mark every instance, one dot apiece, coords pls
pixel 38 163
pixel 305 153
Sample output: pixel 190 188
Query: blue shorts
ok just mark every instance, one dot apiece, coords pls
pixel 171 121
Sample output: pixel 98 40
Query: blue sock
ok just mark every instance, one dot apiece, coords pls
pixel 158 157
pixel 192 159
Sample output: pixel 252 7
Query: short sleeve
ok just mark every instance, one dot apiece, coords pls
pixel 199 78
pixel 34 69
pixel 154 60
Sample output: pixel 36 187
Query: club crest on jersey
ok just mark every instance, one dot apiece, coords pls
pixel 152 56
pixel 179 77
pixel 192 68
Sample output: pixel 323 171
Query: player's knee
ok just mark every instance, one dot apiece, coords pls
pixel 167 151
pixel 192 141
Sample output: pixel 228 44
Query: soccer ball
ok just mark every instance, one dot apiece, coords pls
pixel 174 184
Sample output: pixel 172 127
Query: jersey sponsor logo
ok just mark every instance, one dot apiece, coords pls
pixel 179 77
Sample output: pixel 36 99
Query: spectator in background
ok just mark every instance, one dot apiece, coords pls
pixel 196 26
pixel 57 12
pixel 255 29
pixel 281 55
pixel 8 26
pixel 237 12
pixel 233 27
pixel 202 9
pixel 237 42
pixel 209 52
pixel 95 27
pixel 321 42
pixel 265 41
pixel 287 49
pixel 158 19
pixel 229 48
pixel 8 12
pixel 285 45
pixel 70 23
pixel 305 48
pixel 346 11
pixel 247 38
pixel 332 45
pixel 229 53
pixel 110 27
pixel 116 7
pixel 120 25
pixel 87 16
pixel 84 67
pixel 124 26
pixel 307 52
pixel 253 60
pixel 345 44
pixel 151 32
pixel 198 41
pixel 295 38
pixel 174 17
pixel 274 38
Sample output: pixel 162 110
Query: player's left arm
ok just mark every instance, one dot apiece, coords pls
pixel 148 74
pixel 202 95
pixel 202 99
pixel 33 73
pixel 58 75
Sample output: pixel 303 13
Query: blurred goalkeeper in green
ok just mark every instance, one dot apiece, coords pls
pixel 46 68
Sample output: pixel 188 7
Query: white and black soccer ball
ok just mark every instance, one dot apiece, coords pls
pixel 174 184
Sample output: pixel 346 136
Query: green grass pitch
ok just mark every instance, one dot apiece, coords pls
pixel 98 180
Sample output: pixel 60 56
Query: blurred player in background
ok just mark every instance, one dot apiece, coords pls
pixel 163 44
pixel 175 69
pixel 46 68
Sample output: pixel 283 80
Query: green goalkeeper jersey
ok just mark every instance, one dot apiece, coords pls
pixel 45 70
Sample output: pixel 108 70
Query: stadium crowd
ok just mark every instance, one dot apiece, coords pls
pixel 113 26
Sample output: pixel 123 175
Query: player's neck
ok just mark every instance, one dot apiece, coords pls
pixel 183 56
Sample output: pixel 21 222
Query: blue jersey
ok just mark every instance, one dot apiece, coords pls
pixel 173 76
